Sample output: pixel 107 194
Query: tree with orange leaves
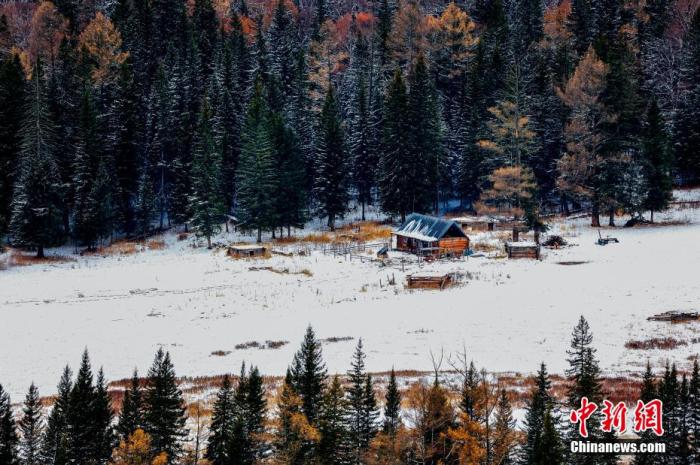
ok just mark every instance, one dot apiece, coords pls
pixel 580 167
pixel 100 45
pixel 49 29
pixel 295 437
pixel 136 450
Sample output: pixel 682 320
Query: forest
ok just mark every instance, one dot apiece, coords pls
pixel 119 118
pixel 314 418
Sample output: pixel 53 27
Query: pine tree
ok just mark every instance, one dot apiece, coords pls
pixel 333 447
pixel 657 166
pixel 12 86
pixel 8 433
pixel 392 406
pixel 222 424
pixel 687 124
pixel 549 448
pixel 331 162
pixel 505 440
pixel 256 176
pixel 31 426
pixel 164 408
pixel 308 374
pixel 36 209
pixel 206 203
pixel 295 438
pixel 102 416
pixel 55 441
pixel 539 406
pixel 361 407
pixel 395 181
pixel 131 417
pixel 80 425
pixel 255 414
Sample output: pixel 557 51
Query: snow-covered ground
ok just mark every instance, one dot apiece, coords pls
pixel 510 315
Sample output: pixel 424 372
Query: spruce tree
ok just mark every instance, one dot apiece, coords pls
pixel 395 181
pixel 9 440
pixel 131 416
pixel 361 407
pixel 505 440
pixel 256 178
pixel 164 408
pixel 222 424
pixel 12 85
pixel 539 405
pixel 392 406
pixel 331 175
pixel 102 416
pixel 31 426
pixel 308 374
pixel 206 203
pixel 80 425
pixel 657 162
pixel 55 442
pixel 36 208
pixel 687 124
pixel 333 446
pixel 549 448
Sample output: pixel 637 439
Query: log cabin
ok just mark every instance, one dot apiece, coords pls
pixel 431 236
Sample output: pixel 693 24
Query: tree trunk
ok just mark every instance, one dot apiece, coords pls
pixel 40 251
pixel 259 235
pixel 289 231
pixel 208 242
pixel 595 215
pixel 611 221
pixel 331 222
pixel 652 215
pixel 363 210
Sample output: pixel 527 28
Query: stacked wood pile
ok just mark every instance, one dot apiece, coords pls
pixel 429 281
pixel 453 245
pixel 523 250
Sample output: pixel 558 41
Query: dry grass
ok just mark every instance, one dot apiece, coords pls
pixel 272 345
pixel 19 258
pixel 220 353
pixel 122 247
pixel 156 244
pixel 665 343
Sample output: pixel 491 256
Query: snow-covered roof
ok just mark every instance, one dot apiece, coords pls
pixel 474 219
pixel 426 228
pixel 247 247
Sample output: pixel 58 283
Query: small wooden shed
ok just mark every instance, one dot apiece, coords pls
pixel 428 235
pixel 476 223
pixel 428 281
pixel 247 251
pixel 523 250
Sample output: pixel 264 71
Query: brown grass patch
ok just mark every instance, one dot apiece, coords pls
pixel 272 345
pixel 18 258
pixel 156 244
pixel 666 343
pixel 220 353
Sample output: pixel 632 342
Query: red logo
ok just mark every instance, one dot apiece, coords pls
pixel 647 417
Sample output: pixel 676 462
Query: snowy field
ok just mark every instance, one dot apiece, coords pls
pixel 509 315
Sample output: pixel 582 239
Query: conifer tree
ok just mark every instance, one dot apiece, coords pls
pixel 539 405
pixel 331 175
pixel 164 408
pixel 549 448
pixel 102 416
pixel 505 440
pixel 657 166
pixel 256 176
pixel 361 407
pixel 222 424
pixel 80 425
pixel 131 417
pixel 395 177
pixel 9 440
pixel 55 441
pixel 392 406
pixel 31 426
pixel 308 374
pixel 295 438
pixel 36 209
pixel 687 124
pixel 12 85
pixel 206 203
pixel 333 447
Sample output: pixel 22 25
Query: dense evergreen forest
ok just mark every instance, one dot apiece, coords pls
pixel 121 117
pixel 314 418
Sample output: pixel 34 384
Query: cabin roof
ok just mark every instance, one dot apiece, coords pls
pixel 427 228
